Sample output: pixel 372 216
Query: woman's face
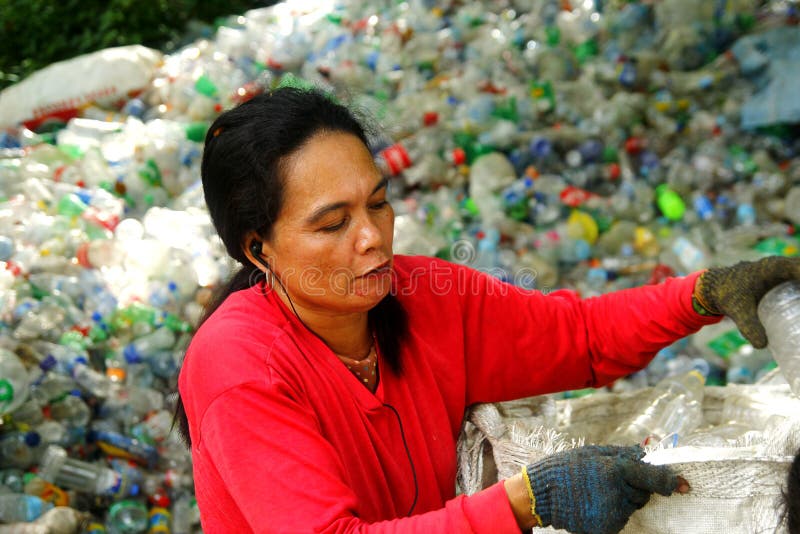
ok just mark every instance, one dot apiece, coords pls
pixel 331 245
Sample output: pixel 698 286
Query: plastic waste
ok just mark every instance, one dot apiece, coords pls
pixel 127 517
pixel 14 382
pixel 20 507
pixel 66 472
pixel 585 145
pixel 779 311
pixel 675 408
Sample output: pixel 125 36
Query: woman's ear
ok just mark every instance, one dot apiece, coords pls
pixel 256 250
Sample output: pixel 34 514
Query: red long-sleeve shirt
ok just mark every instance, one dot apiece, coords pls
pixel 286 439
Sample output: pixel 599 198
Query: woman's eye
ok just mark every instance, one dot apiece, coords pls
pixel 380 205
pixel 333 227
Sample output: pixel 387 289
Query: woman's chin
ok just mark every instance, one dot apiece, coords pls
pixel 373 287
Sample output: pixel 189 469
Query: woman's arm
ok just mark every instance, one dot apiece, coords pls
pixel 521 343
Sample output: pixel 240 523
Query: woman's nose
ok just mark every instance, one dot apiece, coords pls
pixel 369 236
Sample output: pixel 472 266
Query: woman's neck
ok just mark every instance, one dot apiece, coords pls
pixel 346 334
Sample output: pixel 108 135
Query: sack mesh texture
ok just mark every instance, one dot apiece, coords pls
pixel 735 488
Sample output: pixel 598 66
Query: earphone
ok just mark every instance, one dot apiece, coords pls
pixel 255 250
pixel 410 460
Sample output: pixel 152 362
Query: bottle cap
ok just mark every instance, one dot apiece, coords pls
pixel 32 439
pixel 196 131
pixel 48 363
pixel 131 354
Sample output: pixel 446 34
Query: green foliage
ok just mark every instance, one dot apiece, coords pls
pixel 36 33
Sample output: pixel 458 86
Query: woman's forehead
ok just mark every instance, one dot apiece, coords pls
pixel 330 168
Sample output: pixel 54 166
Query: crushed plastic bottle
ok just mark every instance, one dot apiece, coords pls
pixel 676 408
pixel 779 311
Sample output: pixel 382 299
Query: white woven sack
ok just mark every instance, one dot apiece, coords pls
pixel 735 489
pixel 109 74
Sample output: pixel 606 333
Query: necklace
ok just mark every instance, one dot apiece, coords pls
pixel 364 369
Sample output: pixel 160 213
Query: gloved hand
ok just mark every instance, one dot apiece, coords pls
pixel 736 290
pixel 595 489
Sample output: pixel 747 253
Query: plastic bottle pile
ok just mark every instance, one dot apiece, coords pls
pixel 590 145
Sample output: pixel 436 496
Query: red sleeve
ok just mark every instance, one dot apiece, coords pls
pixel 289 478
pixel 520 343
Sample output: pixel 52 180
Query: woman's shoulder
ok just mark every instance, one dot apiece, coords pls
pixel 235 344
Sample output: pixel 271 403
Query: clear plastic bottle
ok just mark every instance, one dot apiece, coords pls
pixel 676 407
pixel 14 382
pixel 408 152
pixel 779 312
pixel 71 410
pixel 127 517
pixel 66 472
pixel 745 364
pixel 17 508
pixel 160 339
pixel 792 205
pixel 13 480
pixel 20 449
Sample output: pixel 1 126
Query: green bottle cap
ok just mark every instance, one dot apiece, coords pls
pixel 745 21
pixel 586 50
pixel 670 203
pixel 553 35
pixel 469 205
pixel 506 109
pixel 97 333
pixel 610 154
pixel 205 86
pixel 196 131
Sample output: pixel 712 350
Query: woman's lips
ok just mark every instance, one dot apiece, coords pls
pixel 377 270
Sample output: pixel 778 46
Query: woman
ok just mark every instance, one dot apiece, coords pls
pixel 326 389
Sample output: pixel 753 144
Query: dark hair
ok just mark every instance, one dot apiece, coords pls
pixel 246 151
pixel 792 496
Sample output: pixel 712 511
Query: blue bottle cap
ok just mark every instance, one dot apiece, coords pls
pixel 84 195
pixel 131 354
pixel 48 363
pixel 32 439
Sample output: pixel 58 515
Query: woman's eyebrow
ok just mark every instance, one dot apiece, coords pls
pixel 383 183
pixel 324 210
pixel 320 212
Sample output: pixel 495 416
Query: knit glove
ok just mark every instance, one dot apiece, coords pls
pixel 735 291
pixel 594 489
